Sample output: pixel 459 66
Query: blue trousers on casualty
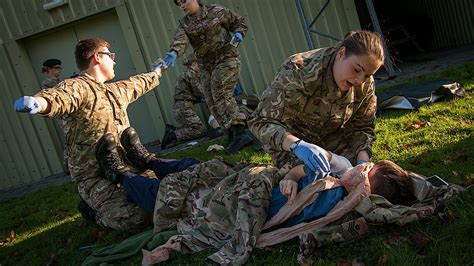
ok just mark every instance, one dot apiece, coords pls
pixel 142 190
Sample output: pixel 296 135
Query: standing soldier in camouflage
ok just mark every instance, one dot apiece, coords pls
pixel 209 29
pixel 52 68
pixel 188 92
pixel 322 97
pixel 95 115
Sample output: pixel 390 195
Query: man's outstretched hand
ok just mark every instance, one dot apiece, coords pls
pixel 27 104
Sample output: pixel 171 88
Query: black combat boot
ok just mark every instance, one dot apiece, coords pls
pixel 241 138
pixel 215 133
pixel 86 211
pixel 136 152
pixel 110 163
pixel 169 136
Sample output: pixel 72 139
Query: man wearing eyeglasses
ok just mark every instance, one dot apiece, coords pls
pixel 52 68
pixel 95 118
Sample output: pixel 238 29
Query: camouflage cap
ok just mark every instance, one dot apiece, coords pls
pixel 51 62
pixel 177 3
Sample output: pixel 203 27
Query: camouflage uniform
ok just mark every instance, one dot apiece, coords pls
pixel 219 207
pixel 49 83
pixel 304 100
pixel 89 110
pixel 209 34
pixel 188 92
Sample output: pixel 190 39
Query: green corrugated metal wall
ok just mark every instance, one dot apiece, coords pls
pixel 30 145
pixel 453 21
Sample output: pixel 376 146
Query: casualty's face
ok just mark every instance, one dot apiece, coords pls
pixel 190 7
pixel 353 70
pixel 107 63
pixel 356 175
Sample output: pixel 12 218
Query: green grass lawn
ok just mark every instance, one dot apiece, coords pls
pixel 436 139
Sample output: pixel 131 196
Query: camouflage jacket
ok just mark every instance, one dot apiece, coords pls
pixel 189 86
pixel 304 100
pixel 208 32
pixel 49 83
pixel 89 110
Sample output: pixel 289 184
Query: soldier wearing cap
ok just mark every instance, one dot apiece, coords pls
pixel 52 68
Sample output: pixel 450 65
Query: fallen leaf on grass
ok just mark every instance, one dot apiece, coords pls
pixel 11 236
pixel 455 173
pixel 465 123
pixel 468 182
pixel 8 239
pixel 417 124
pixel 382 260
pixel 420 239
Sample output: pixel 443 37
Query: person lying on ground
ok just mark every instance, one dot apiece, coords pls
pixel 228 214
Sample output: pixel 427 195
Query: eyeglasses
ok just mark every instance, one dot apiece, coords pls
pixel 180 2
pixel 111 55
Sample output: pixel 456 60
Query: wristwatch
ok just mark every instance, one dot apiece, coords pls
pixel 294 144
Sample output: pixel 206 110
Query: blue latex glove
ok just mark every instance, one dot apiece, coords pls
pixel 312 157
pixel 27 104
pixel 170 57
pixel 237 89
pixel 238 36
pixel 361 161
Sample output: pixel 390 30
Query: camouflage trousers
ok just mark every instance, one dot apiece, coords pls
pixel 218 207
pixel 191 125
pixel 218 83
pixel 113 209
